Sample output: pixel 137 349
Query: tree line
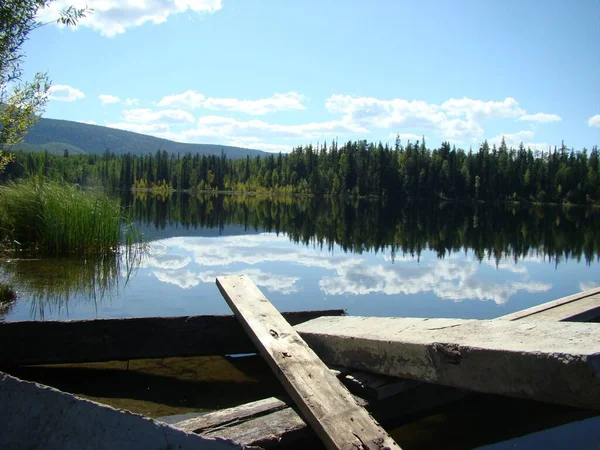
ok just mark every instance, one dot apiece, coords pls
pixel 357 168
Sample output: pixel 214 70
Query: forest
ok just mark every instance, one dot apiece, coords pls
pixel 357 169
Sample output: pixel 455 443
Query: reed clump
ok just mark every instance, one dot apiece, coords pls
pixel 53 218
pixel 7 293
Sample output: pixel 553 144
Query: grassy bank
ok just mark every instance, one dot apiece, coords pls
pixel 55 218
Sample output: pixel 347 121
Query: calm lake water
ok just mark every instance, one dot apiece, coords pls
pixel 427 260
pixel 424 260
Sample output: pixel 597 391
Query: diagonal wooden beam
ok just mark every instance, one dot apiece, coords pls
pixel 325 403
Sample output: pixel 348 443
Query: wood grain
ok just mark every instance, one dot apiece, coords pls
pixel 324 402
pixel 77 341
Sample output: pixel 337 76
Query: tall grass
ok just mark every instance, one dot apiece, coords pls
pixel 52 218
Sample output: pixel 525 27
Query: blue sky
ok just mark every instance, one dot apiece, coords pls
pixel 274 74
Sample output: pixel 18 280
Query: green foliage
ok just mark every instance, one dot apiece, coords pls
pixel 5 159
pixel 54 218
pixel 7 294
pixel 55 148
pixel 22 102
pixel 356 169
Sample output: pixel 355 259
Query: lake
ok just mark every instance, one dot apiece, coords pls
pixel 413 260
pixel 364 256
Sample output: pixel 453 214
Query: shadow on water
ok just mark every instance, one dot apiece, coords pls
pixel 482 420
pixel 159 387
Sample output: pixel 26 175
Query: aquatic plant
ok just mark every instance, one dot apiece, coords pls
pixel 51 285
pixel 7 293
pixel 53 218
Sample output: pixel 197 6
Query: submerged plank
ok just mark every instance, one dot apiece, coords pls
pixel 580 307
pixel 266 424
pixel 220 419
pixel 76 341
pixel 37 416
pixel 324 402
pixel 546 361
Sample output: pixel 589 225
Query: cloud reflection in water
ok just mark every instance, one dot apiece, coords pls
pixel 189 261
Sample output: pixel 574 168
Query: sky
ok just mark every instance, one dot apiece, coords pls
pixel 276 74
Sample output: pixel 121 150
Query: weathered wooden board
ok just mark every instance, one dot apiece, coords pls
pixel 546 361
pixel 49 342
pixel 266 424
pixel 324 402
pixel 581 307
pixel 224 417
pixel 37 416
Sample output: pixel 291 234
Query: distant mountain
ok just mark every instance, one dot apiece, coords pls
pixel 55 136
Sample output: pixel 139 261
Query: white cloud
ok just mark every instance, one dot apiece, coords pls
pixel 89 122
pixel 166 261
pixel 541 118
pixel 594 121
pixel 115 17
pixel 184 279
pixel 291 101
pixel 479 110
pixel 587 285
pixel 227 129
pixel 257 144
pixel 515 139
pixel 455 278
pixel 454 119
pixel 166 116
pixel 65 93
pixel 448 279
pixel 271 282
pixel 163 117
pixel 108 99
pixel 131 101
pixel 458 121
pixel 187 99
pixel 156 123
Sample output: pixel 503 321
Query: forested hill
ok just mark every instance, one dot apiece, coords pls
pixel 55 136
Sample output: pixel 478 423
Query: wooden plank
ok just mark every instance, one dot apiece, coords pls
pixel 579 307
pixel 583 310
pixel 545 361
pixel 125 339
pixel 324 402
pixel 221 419
pixel 265 424
pixel 280 429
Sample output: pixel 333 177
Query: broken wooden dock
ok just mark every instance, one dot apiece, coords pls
pixel 311 385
